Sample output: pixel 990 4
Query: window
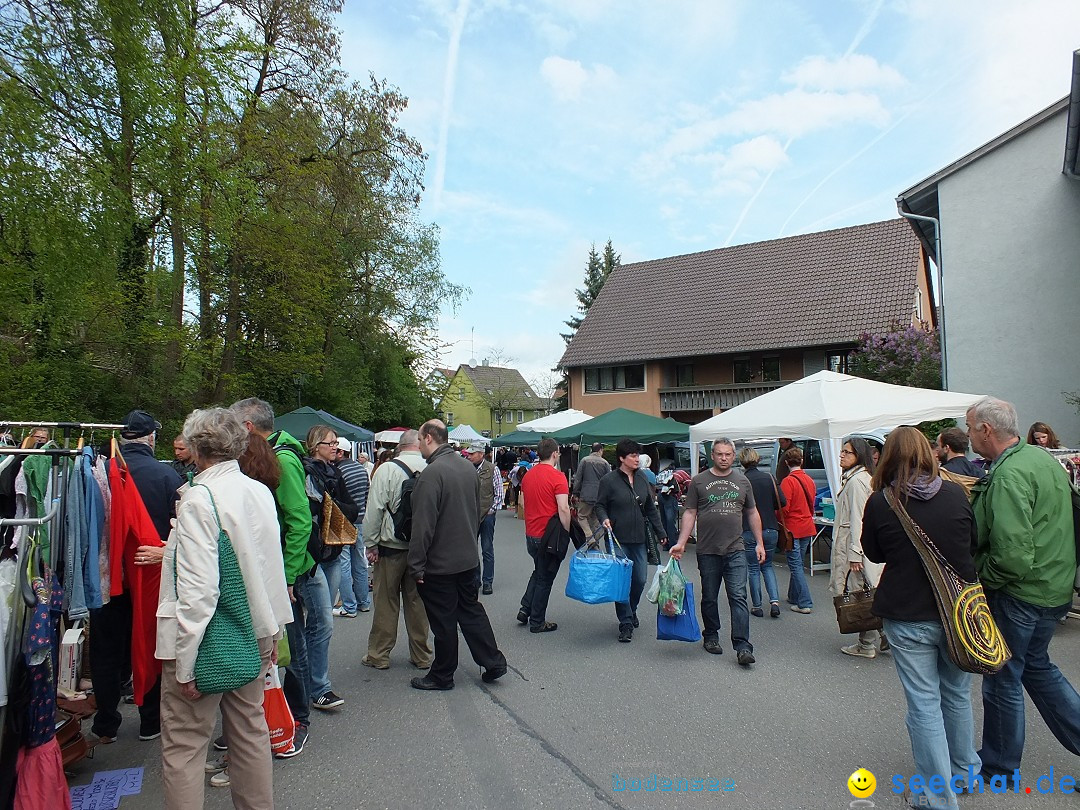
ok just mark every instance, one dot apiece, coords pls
pixel 684 374
pixel 509 417
pixel 461 394
pixel 449 417
pixel 521 416
pixel 498 417
pixel 742 371
pixel 615 378
pixel 770 369
pixel 837 361
pixel 527 395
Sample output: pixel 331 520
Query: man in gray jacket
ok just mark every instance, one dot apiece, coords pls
pixel 444 562
pixel 586 482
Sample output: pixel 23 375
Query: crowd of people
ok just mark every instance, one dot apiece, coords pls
pixel 245 495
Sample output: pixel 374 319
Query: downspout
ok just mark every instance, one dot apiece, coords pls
pixel 1072 134
pixel 941 289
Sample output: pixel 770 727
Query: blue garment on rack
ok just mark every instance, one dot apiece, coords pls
pixel 74 534
pixel 94 512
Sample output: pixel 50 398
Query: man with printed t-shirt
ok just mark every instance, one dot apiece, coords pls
pixel 718 499
pixel 546 494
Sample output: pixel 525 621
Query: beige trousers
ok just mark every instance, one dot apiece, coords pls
pixel 588 522
pixel 186 729
pixel 391 582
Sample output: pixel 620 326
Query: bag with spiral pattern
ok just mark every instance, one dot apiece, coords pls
pixel 975 643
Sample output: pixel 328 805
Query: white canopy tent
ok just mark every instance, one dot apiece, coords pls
pixel 828 406
pixel 389 436
pixel 555 421
pixel 463 434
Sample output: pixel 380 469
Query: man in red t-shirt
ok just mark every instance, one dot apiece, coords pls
pixel 546 494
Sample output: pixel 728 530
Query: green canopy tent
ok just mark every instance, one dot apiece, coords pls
pixel 519 438
pixel 622 423
pixel 300 421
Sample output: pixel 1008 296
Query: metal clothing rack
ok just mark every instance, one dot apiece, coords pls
pixel 24 598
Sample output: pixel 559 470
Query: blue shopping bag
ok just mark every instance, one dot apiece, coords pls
pixel 683 627
pixel 597 577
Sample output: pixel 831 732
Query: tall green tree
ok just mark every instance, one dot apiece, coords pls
pixel 597 269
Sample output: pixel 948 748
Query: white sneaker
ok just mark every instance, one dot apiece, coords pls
pixel 859 651
pixel 340 611
pixel 217 764
pixel 220 779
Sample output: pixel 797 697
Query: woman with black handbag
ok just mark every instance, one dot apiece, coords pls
pixel 938 692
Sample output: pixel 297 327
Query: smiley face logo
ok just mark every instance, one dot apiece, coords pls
pixel 861 783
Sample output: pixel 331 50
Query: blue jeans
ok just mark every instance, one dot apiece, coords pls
pixel 353 578
pixel 798 592
pixel 938 693
pixel 669 516
pixel 545 568
pixel 756 571
pixel 487 549
pixel 297 675
pixel 732 569
pixel 313 593
pixel 1027 630
pixel 639 555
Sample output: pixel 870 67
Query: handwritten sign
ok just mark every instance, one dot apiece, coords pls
pixel 106 789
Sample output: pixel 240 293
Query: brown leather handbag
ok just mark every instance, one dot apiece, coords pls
pixel 785 541
pixel 854 609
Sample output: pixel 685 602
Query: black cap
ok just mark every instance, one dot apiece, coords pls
pixel 138 424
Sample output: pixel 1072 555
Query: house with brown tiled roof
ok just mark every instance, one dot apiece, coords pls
pixel 493 399
pixel 690 336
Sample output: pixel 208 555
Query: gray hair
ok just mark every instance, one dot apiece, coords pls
pixel 215 434
pixel 725 440
pixel 257 411
pixel 409 438
pixel 646 462
pixel 148 440
pixel 998 414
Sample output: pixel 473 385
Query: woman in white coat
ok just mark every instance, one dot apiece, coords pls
pixel 848 563
pixel 222 498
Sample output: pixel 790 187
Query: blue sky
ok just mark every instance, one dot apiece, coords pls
pixel 675 126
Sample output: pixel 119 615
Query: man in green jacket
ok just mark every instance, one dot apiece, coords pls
pixel 309 632
pixel 1026 558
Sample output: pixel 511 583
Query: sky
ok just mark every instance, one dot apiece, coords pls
pixel 676 126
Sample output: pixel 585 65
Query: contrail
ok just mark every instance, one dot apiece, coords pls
pixel 860 35
pixel 457 26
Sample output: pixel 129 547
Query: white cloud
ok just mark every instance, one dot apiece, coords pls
pixel 799 112
pixel 761 154
pixel 569 79
pixel 854 72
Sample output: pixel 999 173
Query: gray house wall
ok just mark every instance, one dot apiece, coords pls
pixel 1011 249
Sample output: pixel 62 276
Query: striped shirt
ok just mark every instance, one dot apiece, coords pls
pixel 357 483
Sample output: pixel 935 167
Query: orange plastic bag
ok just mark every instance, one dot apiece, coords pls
pixel 278 717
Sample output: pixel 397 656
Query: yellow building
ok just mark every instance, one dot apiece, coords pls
pixel 492 399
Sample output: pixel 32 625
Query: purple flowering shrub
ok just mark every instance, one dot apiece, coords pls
pixel 908 355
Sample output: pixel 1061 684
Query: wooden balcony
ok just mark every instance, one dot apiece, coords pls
pixel 710 397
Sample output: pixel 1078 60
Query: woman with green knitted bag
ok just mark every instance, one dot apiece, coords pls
pixel 220 614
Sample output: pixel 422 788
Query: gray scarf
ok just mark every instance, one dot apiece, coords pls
pixel 922 488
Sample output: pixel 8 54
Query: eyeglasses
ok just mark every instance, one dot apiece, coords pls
pixel 328 444
pixel 847 452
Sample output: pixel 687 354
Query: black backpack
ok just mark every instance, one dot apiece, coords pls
pixel 403 516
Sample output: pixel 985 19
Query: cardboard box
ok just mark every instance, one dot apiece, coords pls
pixel 70 660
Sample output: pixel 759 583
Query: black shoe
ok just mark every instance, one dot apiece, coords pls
pixel 636 622
pixel 492 674
pixel 757 612
pixel 220 744
pixel 427 684
pixel 147 734
pixel 300 735
pixel 328 701
pixel 546 627
pixel 486 590
pixel 746 658
pixel 626 633
pixel 774 610
pixel 711 645
pixel 523 617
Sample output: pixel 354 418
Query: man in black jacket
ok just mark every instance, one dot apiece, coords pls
pixel 444 562
pixel 110 641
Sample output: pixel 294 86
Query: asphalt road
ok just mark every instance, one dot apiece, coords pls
pixel 579 712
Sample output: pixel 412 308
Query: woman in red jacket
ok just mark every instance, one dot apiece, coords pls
pixel 799 490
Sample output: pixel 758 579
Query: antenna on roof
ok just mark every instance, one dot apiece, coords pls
pixel 472 347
